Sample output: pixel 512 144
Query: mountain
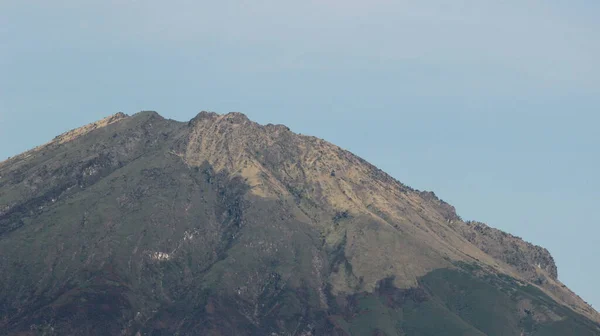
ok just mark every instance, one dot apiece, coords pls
pixel 140 225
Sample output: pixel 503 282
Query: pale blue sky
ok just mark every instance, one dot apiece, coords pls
pixel 494 105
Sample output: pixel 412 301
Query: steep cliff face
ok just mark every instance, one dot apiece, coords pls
pixel 222 226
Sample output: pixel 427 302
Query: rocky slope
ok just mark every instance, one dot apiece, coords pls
pixel 221 226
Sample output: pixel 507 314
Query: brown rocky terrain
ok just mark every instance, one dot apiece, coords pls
pixel 221 226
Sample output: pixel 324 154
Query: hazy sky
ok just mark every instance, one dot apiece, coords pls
pixel 494 105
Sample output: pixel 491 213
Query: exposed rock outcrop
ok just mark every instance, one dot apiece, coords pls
pixel 532 262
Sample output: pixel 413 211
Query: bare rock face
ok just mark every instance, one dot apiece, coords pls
pixel 140 225
pixel 531 261
pixel 445 209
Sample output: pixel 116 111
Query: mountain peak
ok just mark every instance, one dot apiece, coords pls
pixel 231 117
pixel 222 226
pixel 236 117
pixel 203 115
